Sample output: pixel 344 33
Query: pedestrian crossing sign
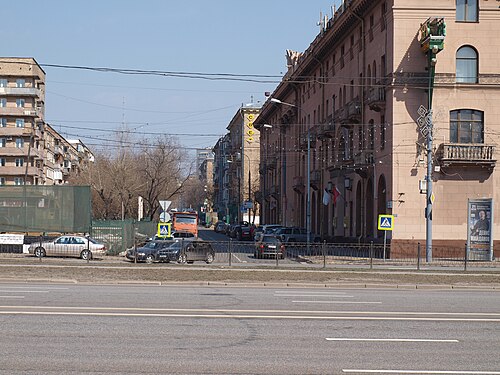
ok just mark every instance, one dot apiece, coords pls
pixel 385 222
pixel 163 229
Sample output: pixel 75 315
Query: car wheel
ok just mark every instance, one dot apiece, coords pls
pixel 39 252
pixel 210 258
pixel 86 255
pixel 150 259
pixel 182 258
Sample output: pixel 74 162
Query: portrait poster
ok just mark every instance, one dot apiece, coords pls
pixel 480 229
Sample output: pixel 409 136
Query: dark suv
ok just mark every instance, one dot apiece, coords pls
pixel 187 252
pixel 292 234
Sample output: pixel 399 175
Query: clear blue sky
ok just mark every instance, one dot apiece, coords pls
pixel 218 36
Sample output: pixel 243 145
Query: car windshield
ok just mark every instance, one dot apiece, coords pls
pixel 152 245
pixel 185 219
pixel 270 239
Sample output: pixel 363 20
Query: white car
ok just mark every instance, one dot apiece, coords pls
pixel 266 230
pixel 79 246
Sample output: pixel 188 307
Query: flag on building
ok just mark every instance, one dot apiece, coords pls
pixel 326 197
pixel 336 194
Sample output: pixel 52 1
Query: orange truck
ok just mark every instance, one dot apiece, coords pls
pixel 185 222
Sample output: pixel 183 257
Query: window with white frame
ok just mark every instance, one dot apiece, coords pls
pixel 3 82
pixel 3 102
pixel 467 11
pixel 2 162
pixel 3 142
pixel 20 82
pixel 466 65
pixel 3 122
pixel 19 162
pixel 19 142
pixel 19 123
pixel 2 180
pixel 20 103
pixel 18 181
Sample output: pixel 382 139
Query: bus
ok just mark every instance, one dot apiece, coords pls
pixel 185 222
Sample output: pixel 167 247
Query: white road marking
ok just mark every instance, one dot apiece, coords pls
pixel 33 287
pixel 313 295
pixel 388 340
pixel 11 297
pixel 338 302
pixel 238 259
pixel 312 292
pixel 24 291
pixel 421 372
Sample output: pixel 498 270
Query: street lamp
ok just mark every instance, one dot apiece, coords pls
pixel 308 197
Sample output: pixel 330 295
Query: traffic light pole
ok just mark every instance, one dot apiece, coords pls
pixel 428 177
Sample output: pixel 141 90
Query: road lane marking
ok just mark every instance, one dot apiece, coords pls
pixel 451 372
pixel 34 287
pixel 24 291
pixel 388 340
pixel 251 311
pixel 313 295
pixel 238 316
pixel 305 292
pixel 338 302
pixel 12 297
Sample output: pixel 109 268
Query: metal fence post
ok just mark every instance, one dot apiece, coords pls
pixel 40 255
pixel 229 250
pixel 88 251
pixel 323 248
pixel 276 252
pixel 465 258
pixel 418 256
pixel 371 254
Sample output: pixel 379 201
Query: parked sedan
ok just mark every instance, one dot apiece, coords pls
pixel 79 246
pixel 269 246
pixel 220 227
pixel 187 252
pixel 148 253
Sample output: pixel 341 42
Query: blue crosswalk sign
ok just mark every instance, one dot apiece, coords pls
pixel 163 230
pixel 385 222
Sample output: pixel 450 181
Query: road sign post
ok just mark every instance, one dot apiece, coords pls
pixel 385 223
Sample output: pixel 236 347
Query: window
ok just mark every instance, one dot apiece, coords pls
pixel 382 19
pixel 342 52
pixel 2 162
pixel 19 162
pixel 20 103
pixel 3 142
pixel 467 11
pixel 371 134
pixel 466 69
pixel 351 51
pixel 2 180
pixel 19 123
pixel 19 142
pixel 18 181
pixel 333 65
pixel 466 126
pixel 3 122
pixel 3 102
pixel 3 82
pixel 20 82
pixel 370 31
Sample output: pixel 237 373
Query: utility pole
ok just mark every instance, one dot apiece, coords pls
pixel 432 33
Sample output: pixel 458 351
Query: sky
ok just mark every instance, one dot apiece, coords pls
pixel 188 36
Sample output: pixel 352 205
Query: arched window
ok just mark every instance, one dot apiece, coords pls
pixel 466 61
pixel 369 75
pixel 466 11
pixel 374 81
pixel 466 126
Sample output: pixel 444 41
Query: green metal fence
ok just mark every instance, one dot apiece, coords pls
pixel 43 208
pixel 119 235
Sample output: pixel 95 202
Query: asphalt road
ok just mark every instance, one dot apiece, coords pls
pixel 92 329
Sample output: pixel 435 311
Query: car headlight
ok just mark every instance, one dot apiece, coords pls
pixel 141 254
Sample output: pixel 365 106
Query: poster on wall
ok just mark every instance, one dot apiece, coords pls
pixel 480 229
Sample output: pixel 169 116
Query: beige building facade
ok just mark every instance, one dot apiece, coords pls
pixel 360 93
pixel 31 151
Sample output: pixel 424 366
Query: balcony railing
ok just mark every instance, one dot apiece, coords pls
pixel 375 98
pixel 298 184
pixel 315 179
pixel 20 91
pixel 466 154
pixel 364 157
pixel 354 110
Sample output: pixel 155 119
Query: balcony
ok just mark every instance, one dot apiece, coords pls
pixel 18 112
pixel 327 129
pixel 354 111
pixel 315 179
pixel 20 91
pixel 363 158
pixel 375 98
pixel 462 154
pixel 298 184
pixel 341 115
pixel 303 140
